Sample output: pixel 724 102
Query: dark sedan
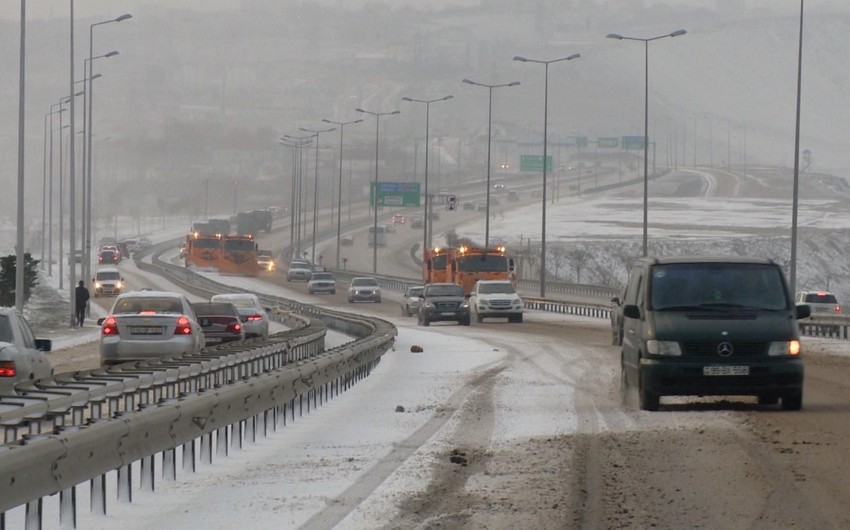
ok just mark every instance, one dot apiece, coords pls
pixel 220 321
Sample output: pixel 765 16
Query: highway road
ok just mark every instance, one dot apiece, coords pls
pixel 525 426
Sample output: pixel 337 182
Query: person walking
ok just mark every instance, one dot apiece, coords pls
pixel 82 299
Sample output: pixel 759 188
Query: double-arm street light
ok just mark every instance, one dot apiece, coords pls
pixel 427 221
pixel 489 138
pixel 377 116
pixel 545 132
pixel 646 42
pixel 342 125
pixel 316 133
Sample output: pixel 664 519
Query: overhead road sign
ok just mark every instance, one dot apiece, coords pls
pixel 534 163
pixel 608 142
pixel 634 142
pixel 396 194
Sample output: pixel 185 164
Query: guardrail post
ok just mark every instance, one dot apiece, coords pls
pixel 221 441
pixel 147 480
pixel 125 483
pixel 206 448
pixel 169 464
pixel 98 495
pixel 236 434
pixel 68 508
pixel 33 515
pixel 189 456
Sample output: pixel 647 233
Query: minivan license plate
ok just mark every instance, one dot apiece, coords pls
pixel 725 370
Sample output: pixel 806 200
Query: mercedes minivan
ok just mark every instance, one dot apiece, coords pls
pixel 711 326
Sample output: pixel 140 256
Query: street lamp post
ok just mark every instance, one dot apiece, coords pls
pixel 489 139
pixel 426 239
pixel 796 195
pixel 88 103
pixel 316 133
pixel 298 195
pixel 545 132
pixel 50 192
pixel 19 245
pixel 646 42
pixel 342 125
pixel 377 116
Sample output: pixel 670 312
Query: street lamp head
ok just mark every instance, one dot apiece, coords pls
pixel 469 82
pixel 520 58
pixel 405 98
pixel 573 56
pixel 95 76
pixel 513 83
pixel 123 17
pixel 678 33
pixel 445 98
pixel 615 36
pixel 113 53
pixel 358 109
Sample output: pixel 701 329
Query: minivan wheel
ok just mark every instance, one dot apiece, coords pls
pixel 792 401
pixel 647 400
pixel 768 400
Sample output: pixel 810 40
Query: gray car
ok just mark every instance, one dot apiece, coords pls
pixel 322 282
pixel 145 325
pixel 299 271
pixel 22 356
pixel 255 318
pixel 364 289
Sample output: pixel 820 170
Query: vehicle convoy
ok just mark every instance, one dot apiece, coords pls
pixel 145 325
pixel 441 302
pixel 107 281
pixel 22 356
pixel 253 222
pixel 711 326
pixel 466 265
pixel 495 299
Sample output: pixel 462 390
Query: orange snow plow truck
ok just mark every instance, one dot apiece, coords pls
pixel 466 265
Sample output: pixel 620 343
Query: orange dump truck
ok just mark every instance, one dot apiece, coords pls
pixel 466 265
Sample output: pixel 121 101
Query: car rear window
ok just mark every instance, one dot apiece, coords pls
pixel 214 309
pixel 146 304
pixel 821 298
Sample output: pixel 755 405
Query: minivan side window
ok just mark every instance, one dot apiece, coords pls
pixel 633 287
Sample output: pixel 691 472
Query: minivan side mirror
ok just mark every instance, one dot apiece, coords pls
pixel 631 311
pixel 803 311
pixel 615 300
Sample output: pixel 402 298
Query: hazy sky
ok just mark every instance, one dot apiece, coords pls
pixel 86 8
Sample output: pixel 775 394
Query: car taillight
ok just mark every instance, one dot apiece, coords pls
pixel 234 326
pixel 254 318
pixel 7 369
pixel 183 326
pixel 110 326
pixel 837 309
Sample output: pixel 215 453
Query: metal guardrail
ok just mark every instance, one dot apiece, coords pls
pixel 70 429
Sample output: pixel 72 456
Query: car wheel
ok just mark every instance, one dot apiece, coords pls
pixel 424 320
pixel 350 301
pixel 333 292
pixel 403 311
pixel 793 401
pixel 378 301
pixel 478 317
pixel 464 322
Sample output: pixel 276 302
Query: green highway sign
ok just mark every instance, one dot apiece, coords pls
pixel 581 141
pixel 395 194
pixel 534 163
pixel 609 142
pixel 634 142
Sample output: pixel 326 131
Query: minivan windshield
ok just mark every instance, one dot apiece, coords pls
pixel 717 285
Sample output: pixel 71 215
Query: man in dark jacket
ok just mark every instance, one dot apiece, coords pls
pixel 82 298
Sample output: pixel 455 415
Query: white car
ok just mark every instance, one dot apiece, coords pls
pixel 22 356
pixel 495 298
pixel 255 318
pixel 146 325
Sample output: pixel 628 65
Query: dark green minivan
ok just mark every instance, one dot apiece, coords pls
pixel 711 326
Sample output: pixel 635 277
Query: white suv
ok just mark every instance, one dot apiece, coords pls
pixel 495 298
pixel 821 302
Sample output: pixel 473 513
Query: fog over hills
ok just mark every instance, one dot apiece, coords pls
pixel 201 96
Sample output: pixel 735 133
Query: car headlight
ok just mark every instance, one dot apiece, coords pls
pixel 119 285
pixel 783 348
pixel 663 347
pixel 464 305
pixel 97 285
